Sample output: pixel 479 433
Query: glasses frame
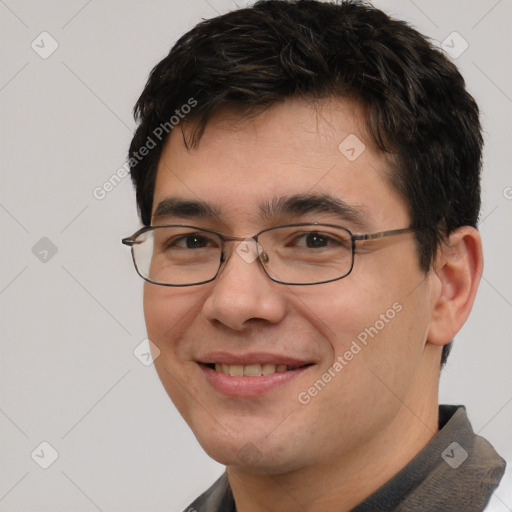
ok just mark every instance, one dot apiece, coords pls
pixel 131 241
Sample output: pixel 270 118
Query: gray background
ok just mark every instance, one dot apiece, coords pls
pixel 71 320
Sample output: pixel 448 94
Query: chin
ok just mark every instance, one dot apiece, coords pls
pixel 253 454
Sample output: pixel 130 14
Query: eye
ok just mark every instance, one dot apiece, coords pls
pixel 316 240
pixel 190 241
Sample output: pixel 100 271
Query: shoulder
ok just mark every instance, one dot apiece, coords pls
pixel 501 499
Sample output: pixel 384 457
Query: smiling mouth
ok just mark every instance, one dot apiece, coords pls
pixel 253 370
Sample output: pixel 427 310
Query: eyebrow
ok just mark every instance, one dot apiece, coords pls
pixel 284 206
pixel 177 207
pixel 302 204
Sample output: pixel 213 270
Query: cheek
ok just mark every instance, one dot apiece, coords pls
pixel 373 318
pixel 168 313
pixel 374 338
pixel 344 310
pixel 384 334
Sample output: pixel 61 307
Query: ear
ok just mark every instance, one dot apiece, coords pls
pixel 457 272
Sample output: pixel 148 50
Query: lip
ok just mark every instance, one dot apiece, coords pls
pixel 249 386
pixel 251 358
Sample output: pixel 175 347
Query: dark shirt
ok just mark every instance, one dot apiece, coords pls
pixel 457 472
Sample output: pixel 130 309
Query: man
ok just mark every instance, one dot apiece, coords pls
pixel 308 178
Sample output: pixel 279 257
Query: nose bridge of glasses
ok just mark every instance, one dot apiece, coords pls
pixel 229 238
pixel 248 249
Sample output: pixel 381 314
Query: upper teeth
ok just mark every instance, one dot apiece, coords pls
pixel 250 370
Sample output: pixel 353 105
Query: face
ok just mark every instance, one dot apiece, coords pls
pixel 348 353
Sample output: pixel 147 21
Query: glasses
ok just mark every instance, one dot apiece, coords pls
pixel 293 254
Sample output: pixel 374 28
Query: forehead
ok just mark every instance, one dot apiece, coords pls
pixel 243 166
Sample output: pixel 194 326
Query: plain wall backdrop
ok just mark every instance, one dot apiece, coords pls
pixel 70 301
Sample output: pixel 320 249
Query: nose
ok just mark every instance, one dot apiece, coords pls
pixel 243 292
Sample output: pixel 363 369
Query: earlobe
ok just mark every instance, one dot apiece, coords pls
pixel 459 265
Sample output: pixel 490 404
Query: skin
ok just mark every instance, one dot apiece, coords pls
pixel 381 409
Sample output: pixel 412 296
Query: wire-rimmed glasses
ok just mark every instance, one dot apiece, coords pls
pixel 293 254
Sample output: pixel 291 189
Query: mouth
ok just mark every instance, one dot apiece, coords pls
pixel 251 376
pixel 253 370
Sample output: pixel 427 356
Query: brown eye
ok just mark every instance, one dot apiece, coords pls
pixel 316 240
pixel 190 241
